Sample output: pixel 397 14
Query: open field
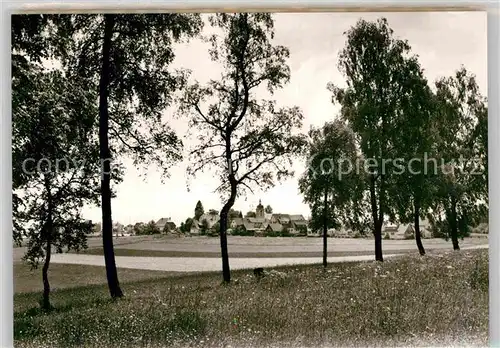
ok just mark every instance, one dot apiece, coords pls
pixel 169 254
pixel 237 244
pixel 265 244
pixel 171 246
pixel 62 276
pixel 254 247
pixel 410 300
pixel 239 255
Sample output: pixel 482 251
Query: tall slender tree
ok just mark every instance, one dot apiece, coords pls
pixel 371 62
pixel 462 140
pixel 198 210
pixel 53 145
pixel 246 140
pixel 55 168
pixel 330 183
pixel 268 209
pixel 412 186
pixel 128 57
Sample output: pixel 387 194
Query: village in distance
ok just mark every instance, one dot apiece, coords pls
pixel 264 222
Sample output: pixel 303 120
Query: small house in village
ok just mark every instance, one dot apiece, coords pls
pixel 273 228
pixel 407 231
pixel 283 219
pixel 197 226
pixel 166 223
pixel 236 222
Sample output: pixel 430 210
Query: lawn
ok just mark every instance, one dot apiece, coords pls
pixel 63 276
pixel 175 253
pixel 411 300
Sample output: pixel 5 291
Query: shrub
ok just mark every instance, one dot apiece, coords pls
pixel 238 231
pixel 285 233
pixel 272 234
pixel 387 236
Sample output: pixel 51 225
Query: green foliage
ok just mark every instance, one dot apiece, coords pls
pixel 166 229
pixel 246 141
pixel 250 214
pixel 241 231
pixel 198 210
pixel 233 214
pixel 214 231
pixel 27 36
pixel 204 227
pixel 412 187
pixel 55 171
pixel 138 228
pixel 268 209
pixel 285 232
pixel 148 229
pixel 377 86
pixel 54 151
pixel 186 226
pixel 273 234
pixel 462 138
pixel 302 230
pixel 331 153
pixel 141 82
pixel 259 132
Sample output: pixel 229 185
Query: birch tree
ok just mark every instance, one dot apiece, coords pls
pixel 248 142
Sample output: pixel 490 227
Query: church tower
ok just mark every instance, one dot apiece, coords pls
pixel 259 212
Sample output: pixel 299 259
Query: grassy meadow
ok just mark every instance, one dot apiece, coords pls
pixel 440 299
pixel 174 253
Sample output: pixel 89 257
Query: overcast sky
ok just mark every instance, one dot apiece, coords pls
pixel 442 40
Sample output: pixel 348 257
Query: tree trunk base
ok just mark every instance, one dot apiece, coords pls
pixel 118 293
pixel 378 247
pixel 45 304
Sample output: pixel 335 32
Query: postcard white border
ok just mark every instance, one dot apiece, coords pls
pixel 10 7
pixel 494 171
